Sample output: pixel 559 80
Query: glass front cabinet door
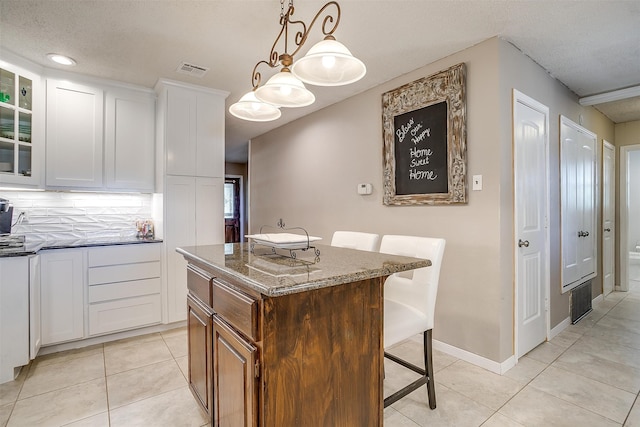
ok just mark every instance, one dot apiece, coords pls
pixel 20 140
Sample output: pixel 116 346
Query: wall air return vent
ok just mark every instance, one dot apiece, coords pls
pixel 580 302
pixel 192 69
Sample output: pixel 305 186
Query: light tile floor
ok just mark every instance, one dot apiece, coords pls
pixel 589 375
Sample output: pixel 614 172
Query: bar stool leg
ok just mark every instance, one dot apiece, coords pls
pixel 428 364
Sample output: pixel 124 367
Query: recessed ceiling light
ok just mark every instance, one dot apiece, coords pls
pixel 61 59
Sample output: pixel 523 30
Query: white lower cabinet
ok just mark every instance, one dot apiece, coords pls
pixel 99 290
pixel 35 325
pixel 117 315
pixel 124 287
pixel 62 278
pixel 14 316
pixel 194 215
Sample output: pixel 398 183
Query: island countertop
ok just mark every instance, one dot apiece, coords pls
pixel 274 274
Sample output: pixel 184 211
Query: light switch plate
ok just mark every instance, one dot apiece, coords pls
pixel 477 182
pixel 365 189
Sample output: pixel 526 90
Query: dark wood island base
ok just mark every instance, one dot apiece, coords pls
pixel 271 349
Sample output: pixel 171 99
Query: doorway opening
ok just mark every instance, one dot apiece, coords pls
pixel 233 209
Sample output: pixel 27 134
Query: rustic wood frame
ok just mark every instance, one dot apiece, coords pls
pixel 449 86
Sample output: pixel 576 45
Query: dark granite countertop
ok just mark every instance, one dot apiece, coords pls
pixel 31 248
pixel 275 274
pixel 14 252
pixel 83 243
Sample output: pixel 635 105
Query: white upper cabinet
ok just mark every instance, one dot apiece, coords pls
pixel 74 135
pixel 129 148
pixel 209 136
pixel 100 137
pixel 193 132
pixel 578 203
pixel 21 125
pixel 181 132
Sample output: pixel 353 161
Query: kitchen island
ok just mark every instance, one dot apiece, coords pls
pixel 278 341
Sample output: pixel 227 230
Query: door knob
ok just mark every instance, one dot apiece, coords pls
pixel 523 243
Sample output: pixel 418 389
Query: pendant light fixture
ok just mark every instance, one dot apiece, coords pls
pixel 328 63
pixel 251 108
pixel 285 89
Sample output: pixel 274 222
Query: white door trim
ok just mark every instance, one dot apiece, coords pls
pixel 606 145
pixel 241 207
pixel 519 97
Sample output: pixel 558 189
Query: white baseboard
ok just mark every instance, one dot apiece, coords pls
pixel 111 337
pixel 597 300
pixel 567 322
pixel 474 359
pixel 559 328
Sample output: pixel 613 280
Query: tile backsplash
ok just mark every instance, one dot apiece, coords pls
pixel 63 216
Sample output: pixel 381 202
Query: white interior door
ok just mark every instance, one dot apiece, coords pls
pixel 530 147
pixel 579 186
pixel 608 217
pixel 588 163
pixel 629 212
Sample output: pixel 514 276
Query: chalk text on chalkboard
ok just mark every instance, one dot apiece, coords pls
pixel 421 150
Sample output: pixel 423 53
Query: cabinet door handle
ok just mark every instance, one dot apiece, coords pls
pixel 585 234
pixel 580 233
pixel 607 229
pixel 523 243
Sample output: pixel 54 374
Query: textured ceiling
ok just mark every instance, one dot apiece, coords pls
pixel 591 46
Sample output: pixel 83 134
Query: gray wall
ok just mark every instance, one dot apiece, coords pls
pixel 306 172
pixel 521 73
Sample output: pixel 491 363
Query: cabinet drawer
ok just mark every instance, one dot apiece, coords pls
pixel 123 314
pixel 112 291
pixel 123 273
pixel 199 284
pixel 124 254
pixel 236 308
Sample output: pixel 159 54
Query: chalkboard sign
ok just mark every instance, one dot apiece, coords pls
pixel 421 151
pixel 424 130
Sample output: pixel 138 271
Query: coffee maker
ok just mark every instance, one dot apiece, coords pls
pixel 6 215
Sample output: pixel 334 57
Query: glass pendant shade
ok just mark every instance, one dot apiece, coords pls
pixel 251 108
pixel 285 90
pixel 329 63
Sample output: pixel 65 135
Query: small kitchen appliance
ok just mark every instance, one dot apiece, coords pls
pixel 6 215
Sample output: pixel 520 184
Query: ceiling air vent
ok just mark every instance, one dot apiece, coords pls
pixel 192 70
